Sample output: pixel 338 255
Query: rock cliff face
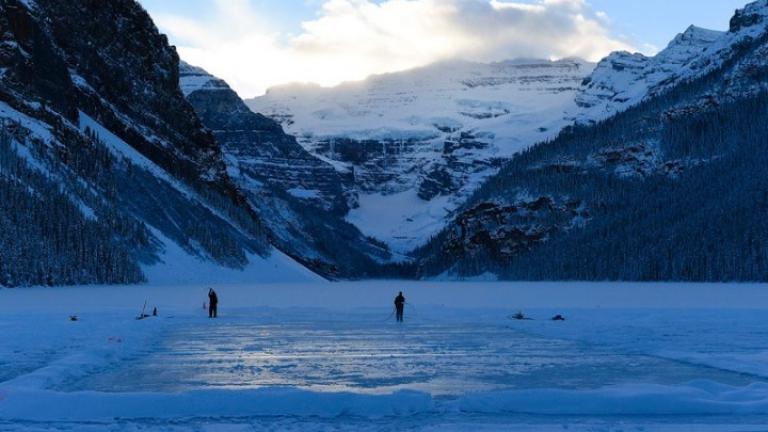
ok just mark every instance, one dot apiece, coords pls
pixel 506 231
pixel 115 64
pixel 752 15
pixel 106 165
pixel 257 148
pixel 300 197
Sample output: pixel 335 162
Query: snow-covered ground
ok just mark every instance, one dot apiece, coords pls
pixel 322 356
pixel 403 219
pixel 177 267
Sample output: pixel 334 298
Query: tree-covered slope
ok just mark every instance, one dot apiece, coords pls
pixel 103 160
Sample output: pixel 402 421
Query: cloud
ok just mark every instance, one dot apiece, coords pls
pixel 352 39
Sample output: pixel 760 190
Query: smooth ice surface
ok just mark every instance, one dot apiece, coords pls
pixel 321 356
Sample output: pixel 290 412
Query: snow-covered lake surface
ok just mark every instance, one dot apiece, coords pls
pixel 321 356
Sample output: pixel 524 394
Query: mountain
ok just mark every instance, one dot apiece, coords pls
pixel 414 145
pixel 260 147
pixel 300 198
pixel 623 80
pixel 120 164
pixel 671 187
pixel 106 172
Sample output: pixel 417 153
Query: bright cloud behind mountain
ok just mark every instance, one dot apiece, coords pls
pixel 352 39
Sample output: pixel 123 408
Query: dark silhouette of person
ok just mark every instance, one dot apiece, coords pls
pixel 213 304
pixel 400 306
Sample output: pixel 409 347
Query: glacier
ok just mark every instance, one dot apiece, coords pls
pixel 430 135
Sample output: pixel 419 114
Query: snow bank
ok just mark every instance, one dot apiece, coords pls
pixel 702 398
pixel 751 363
pixel 696 398
pixel 177 267
pixel 93 406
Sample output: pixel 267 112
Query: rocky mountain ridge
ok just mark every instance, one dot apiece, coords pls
pixel 623 80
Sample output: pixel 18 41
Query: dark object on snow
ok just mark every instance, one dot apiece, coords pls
pixel 520 317
pixel 74 318
pixel 143 314
pixel 558 318
pixel 400 306
pixel 213 304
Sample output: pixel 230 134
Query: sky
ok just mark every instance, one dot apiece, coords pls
pixel 258 44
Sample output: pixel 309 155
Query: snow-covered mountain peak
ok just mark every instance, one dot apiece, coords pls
pixel 622 79
pixel 698 119
pixel 414 99
pixel 695 35
pixel 417 143
pixel 694 38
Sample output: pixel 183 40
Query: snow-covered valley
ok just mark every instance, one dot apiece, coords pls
pixel 319 356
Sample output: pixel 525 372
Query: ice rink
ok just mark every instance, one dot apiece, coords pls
pixel 321 356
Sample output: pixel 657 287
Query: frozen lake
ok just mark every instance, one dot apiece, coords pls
pixel 628 357
pixel 443 357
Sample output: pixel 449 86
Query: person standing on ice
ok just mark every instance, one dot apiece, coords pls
pixel 213 304
pixel 400 306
